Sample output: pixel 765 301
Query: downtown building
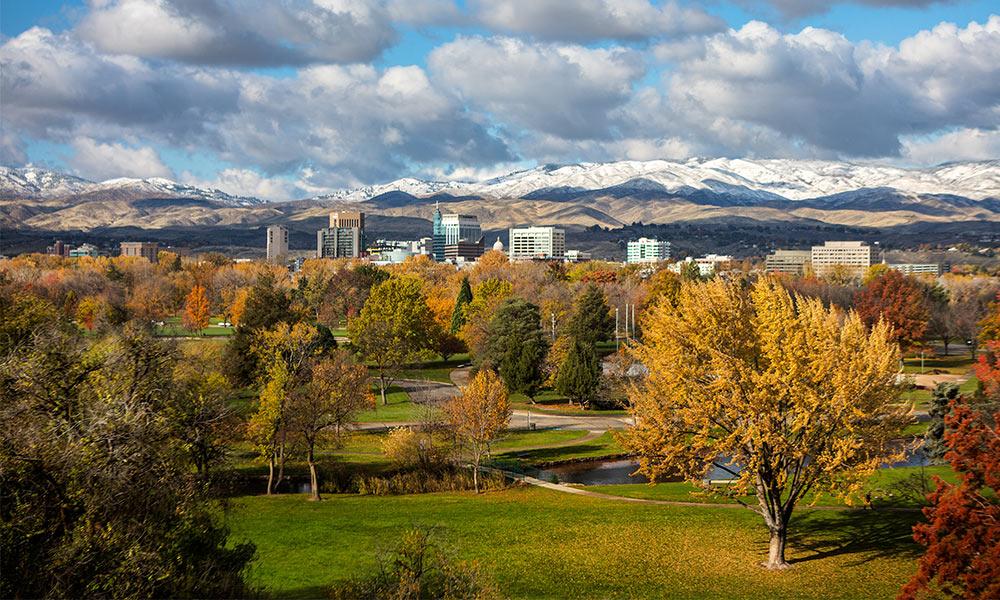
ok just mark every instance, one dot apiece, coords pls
pixel 647 250
pixel 792 262
pixel 277 243
pixel 537 243
pixel 853 257
pixel 344 238
pixel 455 236
pixel 147 250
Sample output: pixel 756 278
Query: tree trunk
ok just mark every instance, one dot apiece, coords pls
pixel 946 340
pixel 776 551
pixel 270 475
pixel 475 475
pixel 381 391
pixel 313 480
pixel 281 462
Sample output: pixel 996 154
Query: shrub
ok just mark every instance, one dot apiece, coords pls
pixel 420 568
pixel 412 449
pixel 451 479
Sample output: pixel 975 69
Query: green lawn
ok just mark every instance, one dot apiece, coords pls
pixel 605 445
pixel 954 364
pixel 552 402
pixel 515 440
pixel 172 327
pixel 399 409
pixel 538 543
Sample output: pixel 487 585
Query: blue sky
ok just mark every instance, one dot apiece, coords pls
pixel 291 98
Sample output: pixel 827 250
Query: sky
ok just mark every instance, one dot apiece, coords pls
pixel 284 99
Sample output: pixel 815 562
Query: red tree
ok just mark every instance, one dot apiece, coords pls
pixel 962 534
pixel 900 301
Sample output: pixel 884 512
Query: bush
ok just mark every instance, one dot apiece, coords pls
pixel 411 449
pixel 451 479
pixel 420 568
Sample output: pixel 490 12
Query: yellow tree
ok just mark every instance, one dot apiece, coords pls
pixel 478 415
pixel 196 309
pixel 789 398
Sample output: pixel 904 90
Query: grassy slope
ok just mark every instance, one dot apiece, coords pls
pixel 539 543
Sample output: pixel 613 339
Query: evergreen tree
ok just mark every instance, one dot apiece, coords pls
pixel 592 321
pixel 580 374
pixel 464 297
pixel 516 347
pixel 934 446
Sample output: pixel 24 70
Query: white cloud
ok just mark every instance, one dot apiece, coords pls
pixel 245 182
pixel 241 32
pixel 591 20
pixel 566 90
pixel 99 161
pixel 964 144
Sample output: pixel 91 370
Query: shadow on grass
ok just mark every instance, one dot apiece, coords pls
pixel 588 451
pixel 309 592
pixel 864 534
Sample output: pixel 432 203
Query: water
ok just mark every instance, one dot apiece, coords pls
pixel 614 472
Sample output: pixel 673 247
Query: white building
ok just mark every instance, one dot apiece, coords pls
pixel 460 228
pixel 277 243
pixel 917 268
pixel 646 250
pixel 707 265
pixel 854 256
pixel 577 256
pixel 788 261
pixel 528 243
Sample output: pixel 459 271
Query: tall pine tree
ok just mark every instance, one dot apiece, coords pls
pixel 580 373
pixel 516 347
pixel 592 321
pixel 464 298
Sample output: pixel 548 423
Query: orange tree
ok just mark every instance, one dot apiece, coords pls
pixel 196 309
pixel 900 301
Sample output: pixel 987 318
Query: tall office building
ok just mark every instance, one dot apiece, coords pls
pixel 856 257
pixel 344 238
pixel 277 242
pixel 528 243
pixel 788 261
pixel 451 230
pixel 147 250
pixel 646 250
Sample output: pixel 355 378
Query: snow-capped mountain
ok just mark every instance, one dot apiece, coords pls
pixel 32 182
pixel 760 180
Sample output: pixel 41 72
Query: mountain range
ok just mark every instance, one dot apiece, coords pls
pixel 608 195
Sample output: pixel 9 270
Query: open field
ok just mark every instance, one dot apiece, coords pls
pixel 172 327
pixel 955 364
pixel 538 543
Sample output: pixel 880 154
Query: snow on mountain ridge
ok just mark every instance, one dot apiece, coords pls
pixel 33 182
pixel 746 178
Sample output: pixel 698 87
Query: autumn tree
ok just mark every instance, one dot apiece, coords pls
pixel 900 301
pixel 336 391
pixel 464 298
pixel 487 298
pixel 196 309
pixel 786 396
pixel 962 532
pixel 516 347
pixel 395 327
pixel 199 412
pixel 663 286
pixel 478 415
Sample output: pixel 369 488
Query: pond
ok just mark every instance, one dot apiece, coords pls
pixel 613 472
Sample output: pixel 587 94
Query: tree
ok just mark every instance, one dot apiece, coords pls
pixel 487 298
pixel 479 415
pixel 98 501
pixel 592 321
pixel 394 328
pixel 267 422
pixel 580 374
pixel 196 309
pixel 944 394
pixel 788 397
pixel 464 297
pixel 962 532
pixel 336 391
pixel 900 301
pixel 941 324
pixel 516 347
pixel 263 306
pixel 663 285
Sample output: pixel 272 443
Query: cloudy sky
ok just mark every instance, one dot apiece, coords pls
pixel 292 98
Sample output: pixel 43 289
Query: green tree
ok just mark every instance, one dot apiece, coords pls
pixel 580 374
pixel 516 347
pixel 592 321
pixel 934 444
pixel 395 327
pixel 464 297
pixel 266 305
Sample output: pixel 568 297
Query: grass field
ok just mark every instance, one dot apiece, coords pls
pixel 954 364
pixel 398 410
pixel 538 543
pixel 172 327
pixel 605 445
pixel 551 402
